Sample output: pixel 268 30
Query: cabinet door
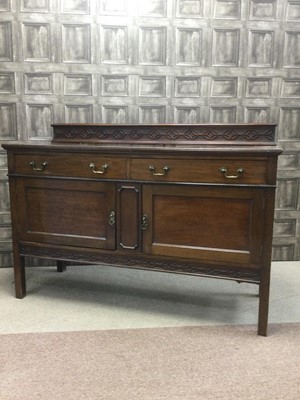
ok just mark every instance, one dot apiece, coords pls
pixel 66 212
pixel 217 224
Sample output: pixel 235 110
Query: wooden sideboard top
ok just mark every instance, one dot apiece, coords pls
pixel 142 149
pixel 238 139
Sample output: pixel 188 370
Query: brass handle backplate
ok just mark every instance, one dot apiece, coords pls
pixel 112 218
pixel 145 222
pixel 165 170
pixel 100 171
pixel 239 172
pixel 41 168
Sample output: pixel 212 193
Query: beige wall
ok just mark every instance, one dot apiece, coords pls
pixel 153 61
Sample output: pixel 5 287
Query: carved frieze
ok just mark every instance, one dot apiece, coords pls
pixel 180 267
pixel 164 133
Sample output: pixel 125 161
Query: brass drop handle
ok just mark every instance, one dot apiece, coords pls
pixel 112 218
pixel 41 168
pixel 239 172
pixel 101 171
pixel 152 169
pixel 145 222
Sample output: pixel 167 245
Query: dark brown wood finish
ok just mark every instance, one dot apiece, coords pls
pixel 183 199
pixel 64 212
pixel 164 134
pixel 207 223
pixel 128 217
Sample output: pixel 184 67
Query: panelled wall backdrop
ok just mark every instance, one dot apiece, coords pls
pixel 153 61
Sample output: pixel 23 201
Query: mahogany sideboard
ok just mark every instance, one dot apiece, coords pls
pixel 186 199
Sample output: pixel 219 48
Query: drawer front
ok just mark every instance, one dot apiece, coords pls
pixel 215 171
pixel 73 165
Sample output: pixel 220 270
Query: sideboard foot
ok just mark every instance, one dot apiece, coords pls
pixel 61 266
pixel 263 310
pixel 19 273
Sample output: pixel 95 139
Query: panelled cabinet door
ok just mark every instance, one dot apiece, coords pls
pixel 66 212
pixel 220 224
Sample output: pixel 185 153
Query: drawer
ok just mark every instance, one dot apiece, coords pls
pixel 73 165
pixel 212 170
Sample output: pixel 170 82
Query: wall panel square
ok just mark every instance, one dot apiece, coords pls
pixel 224 87
pixel 261 48
pixel 263 9
pixel 227 9
pixel 289 120
pixel 152 86
pixel 115 114
pixel 152 45
pixel 188 46
pixel 36 42
pixel 292 10
pixel 5 5
pixel 258 87
pixel 114 85
pixel 189 8
pixel 113 7
pixel 287 194
pixel 225 47
pixel 223 115
pixel 152 114
pixel 78 84
pixel 75 7
pixel 187 115
pixel 290 88
pixel 39 118
pixel 78 113
pixel 292 49
pixel 38 83
pixel 8 118
pixel 35 5
pixel 6 52
pixel 257 114
pixel 187 86
pixel 76 43
pixel 154 8
pixel 7 82
pixel 114 44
